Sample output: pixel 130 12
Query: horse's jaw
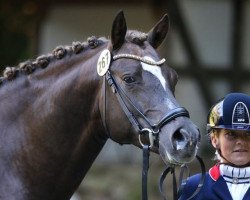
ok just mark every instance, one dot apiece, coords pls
pixel 179 144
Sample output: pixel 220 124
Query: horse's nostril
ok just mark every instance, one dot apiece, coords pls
pixel 178 136
pixel 181 139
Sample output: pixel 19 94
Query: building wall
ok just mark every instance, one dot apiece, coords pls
pixel 64 24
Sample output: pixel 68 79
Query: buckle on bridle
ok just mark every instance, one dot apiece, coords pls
pixel 152 135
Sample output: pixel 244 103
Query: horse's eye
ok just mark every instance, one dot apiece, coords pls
pixel 129 79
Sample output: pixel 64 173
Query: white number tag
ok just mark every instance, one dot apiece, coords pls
pixel 103 62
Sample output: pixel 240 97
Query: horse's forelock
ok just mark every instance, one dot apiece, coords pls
pixel 60 52
pixel 136 37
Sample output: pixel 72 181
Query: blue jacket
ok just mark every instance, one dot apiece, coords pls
pixel 214 187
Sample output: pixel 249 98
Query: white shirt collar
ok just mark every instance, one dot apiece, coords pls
pixel 235 175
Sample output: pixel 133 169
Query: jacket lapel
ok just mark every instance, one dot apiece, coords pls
pixel 221 190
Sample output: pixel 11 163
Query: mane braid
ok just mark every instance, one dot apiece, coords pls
pixel 29 66
pixel 137 37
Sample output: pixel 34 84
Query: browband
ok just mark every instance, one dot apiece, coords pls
pixel 144 60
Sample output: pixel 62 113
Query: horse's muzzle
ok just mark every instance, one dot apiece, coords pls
pixel 179 145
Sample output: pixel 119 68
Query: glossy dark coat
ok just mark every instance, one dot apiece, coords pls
pixel 52 113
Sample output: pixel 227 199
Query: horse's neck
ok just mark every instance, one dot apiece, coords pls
pixel 51 127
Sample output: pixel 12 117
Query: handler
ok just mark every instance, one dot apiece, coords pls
pixel 229 132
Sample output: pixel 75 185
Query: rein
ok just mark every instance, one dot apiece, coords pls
pixel 152 130
pixel 177 191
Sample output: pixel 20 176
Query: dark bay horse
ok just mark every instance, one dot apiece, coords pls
pixel 57 112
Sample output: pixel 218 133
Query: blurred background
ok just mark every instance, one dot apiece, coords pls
pixel 208 45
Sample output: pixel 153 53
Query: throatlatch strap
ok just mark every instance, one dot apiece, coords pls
pixel 145 168
pixel 104 120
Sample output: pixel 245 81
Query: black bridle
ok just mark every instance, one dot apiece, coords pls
pixel 152 129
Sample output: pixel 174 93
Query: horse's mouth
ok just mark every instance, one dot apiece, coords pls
pixel 178 157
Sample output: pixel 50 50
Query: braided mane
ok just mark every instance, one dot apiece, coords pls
pixel 29 66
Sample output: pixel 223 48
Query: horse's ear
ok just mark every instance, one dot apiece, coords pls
pixel 158 33
pixel 119 30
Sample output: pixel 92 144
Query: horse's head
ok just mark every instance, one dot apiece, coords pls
pixel 142 100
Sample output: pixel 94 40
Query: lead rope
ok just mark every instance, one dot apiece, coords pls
pixel 145 167
pixel 177 191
